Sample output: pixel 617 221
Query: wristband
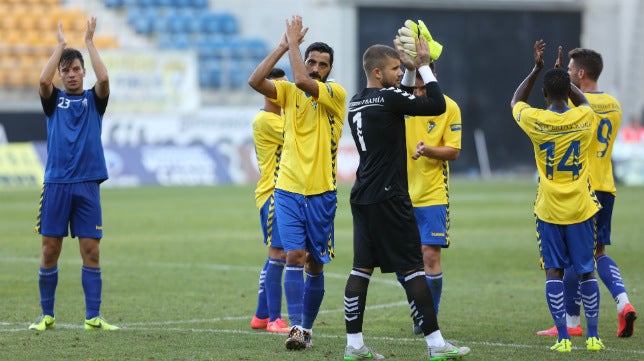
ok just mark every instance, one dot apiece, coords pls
pixel 409 78
pixel 426 74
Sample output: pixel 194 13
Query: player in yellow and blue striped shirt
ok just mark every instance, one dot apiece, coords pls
pixel 584 68
pixel 305 193
pixel 268 130
pixel 432 141
pixel 566 204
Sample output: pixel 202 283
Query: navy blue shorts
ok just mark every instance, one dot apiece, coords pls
pixel 433 224
pixel 268 222
pixel 74 207
pixel 604 217
pixel 562 246
pixel 306 222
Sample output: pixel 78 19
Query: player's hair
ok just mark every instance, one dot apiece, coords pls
pixel 68 56
pixel 556 83
pixel 376 57
pixel 588 60
pixel 320 47
pixel 276 73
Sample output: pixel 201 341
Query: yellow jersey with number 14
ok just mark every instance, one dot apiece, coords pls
pixel 561 142
pixel 312 130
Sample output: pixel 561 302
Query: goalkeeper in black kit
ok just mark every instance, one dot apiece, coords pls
pixel 385 232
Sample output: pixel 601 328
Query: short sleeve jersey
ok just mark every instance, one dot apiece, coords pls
pixel 429 177
pixel 377 121
pixel 312 130
pixel 561 142
pixel 267 135
pixel 74 148
pixel 608 117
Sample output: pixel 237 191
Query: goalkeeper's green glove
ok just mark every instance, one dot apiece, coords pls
pixel 435 48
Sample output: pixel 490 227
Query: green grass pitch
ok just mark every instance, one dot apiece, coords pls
pixel 181 265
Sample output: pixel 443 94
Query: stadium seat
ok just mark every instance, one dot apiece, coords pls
pixel 199 4
pixel 210 23
pixel 228 24
pixel 114 4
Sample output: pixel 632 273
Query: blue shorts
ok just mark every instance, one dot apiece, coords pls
pixel 268 222
pixel 562 246
pixel 604 217
pixel 70 206
pixel 306 222
pixel 433 224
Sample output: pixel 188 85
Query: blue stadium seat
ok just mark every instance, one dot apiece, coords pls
pixel 178 24
pixel 228 24
pixel 199 4
pixel 210 74
pixel 239 73
pixel 256 49
pixel 132 14
pixel 181 3
pixel 173 41
pixel 114 4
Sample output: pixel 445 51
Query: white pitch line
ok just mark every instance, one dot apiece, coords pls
pixel 392 339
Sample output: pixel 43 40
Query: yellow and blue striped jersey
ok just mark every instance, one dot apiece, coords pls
pixel 561 142
pixel 312 130
pixel 428 178
pixel 268 128
pixel 608 117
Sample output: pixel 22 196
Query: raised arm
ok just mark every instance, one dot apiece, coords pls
pixel 102 86
pixel 523 90
pixel 295 35
pixel 257 79
pixel 577 97
pixel 48 72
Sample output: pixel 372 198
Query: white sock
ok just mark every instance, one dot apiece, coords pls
pixel 355 340
pixel 435 339
pixel 622 300
pixel 573 321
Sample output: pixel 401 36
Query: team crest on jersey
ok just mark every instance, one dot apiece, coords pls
pixel 84 102
pixel 430 126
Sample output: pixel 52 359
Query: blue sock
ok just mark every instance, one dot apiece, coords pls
pixel 590 298
pixel 313 295
pixel 555 299
pixel 571 292
pixel 294 292
pixel 262 308
pixel 47 282
pixel 273 285
pixel 92 286
pixel 609 273
pixel 435 283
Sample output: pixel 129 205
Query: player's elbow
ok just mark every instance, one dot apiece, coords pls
pixel 453 155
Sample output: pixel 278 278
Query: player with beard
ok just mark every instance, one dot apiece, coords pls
pixel 305 192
